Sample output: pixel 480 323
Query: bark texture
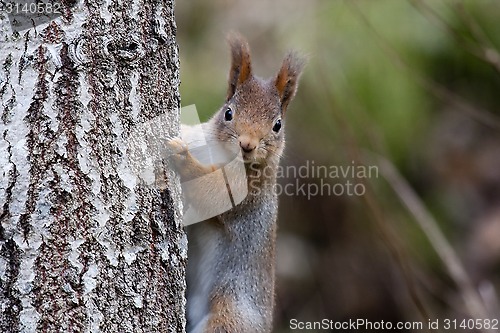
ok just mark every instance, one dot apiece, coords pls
pixel 85 245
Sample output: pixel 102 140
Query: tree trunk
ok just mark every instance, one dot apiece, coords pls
pixel 85 244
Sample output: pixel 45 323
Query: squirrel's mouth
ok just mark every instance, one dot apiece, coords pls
pixel 253 157
pixel 248 157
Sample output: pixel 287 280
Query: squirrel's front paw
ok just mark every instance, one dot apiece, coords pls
pixel 179 154
pixel 182 160
pixel 176 146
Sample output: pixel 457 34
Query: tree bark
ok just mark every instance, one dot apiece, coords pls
pixel 85 244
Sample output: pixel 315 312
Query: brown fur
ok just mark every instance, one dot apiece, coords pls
pixel 231 258
pixel 223 319
pixel 241 68
pixel 286 80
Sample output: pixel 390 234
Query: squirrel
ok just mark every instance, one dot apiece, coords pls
pixel 231 257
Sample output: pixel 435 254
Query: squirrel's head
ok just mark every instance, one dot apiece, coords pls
pixel 253 115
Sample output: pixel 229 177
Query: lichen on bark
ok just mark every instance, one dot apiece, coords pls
pixel 85 246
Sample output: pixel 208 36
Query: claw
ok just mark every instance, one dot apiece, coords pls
pixel 177 146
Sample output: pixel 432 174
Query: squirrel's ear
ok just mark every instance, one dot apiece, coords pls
pixel 287 80
pixel 241 68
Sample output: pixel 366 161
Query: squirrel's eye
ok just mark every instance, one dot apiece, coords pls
pixel 228 115
pixel 277 126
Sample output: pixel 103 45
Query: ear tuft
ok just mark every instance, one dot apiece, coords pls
pixel 286 81
pixel 241 68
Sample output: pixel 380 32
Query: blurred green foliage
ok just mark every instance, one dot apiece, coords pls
pixel 415 81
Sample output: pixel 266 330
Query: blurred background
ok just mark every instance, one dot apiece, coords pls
pixel 409 87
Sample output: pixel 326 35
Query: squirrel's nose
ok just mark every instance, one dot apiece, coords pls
pixel 247 145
